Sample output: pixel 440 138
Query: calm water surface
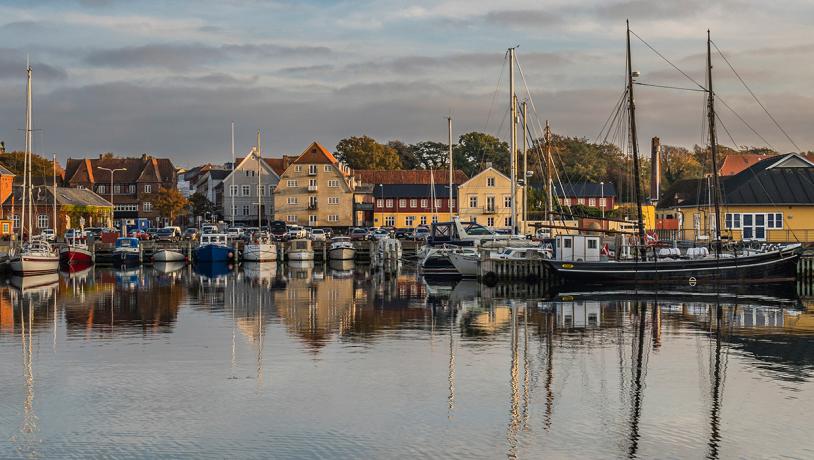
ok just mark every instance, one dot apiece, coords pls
pixel 336 362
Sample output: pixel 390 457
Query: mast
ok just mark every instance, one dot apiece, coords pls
pixel 525 167
pixel 30 143
pixel 54 188
pixel 259 184
pixel 713 147
pixel 549 173
pixel 635 143
pixel 25 155
pixel 449 128
pixel 513 138
pixel 232 186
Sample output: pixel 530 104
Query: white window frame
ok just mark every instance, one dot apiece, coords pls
pixel 402 202
pixel 292 200
pixel 423 220
pixel 592 202
pixel 409 221
pixel 312 169
pixel 388 203
pixel 490 181
pixel 424 202
pixel 148 188
pixel 291 218
pixel 379 202
pixel 147 206
pixel 245 190
pixel 42 221
pixel 333 218
pixel 297 168
pixel 413 203
pixel 312 219
pixel 490 221
pixel 507 201
pixel 473 201
pixel 389 221
pixel 233 190
pixel 333 183
pixel 327 168
pixel 292 183
pixel 334 200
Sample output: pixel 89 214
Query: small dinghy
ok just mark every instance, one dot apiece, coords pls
pixel 166 255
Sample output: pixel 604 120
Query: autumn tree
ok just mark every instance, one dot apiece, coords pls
pixel 363 152
pixel 678 163
pixel 40 167
pixel 169 202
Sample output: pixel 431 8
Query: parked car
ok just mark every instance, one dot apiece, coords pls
pixel 421 233
pixel 403 233
pixel 191 234
pixel 279 230
pixel 328 233
pixel 380 234
pixel 168 234
pixel 318 234
pixel 152 231
pixel 295 231
pixel 48 234
pixel 140 234
pixel 234 233
pixel 209 228
pixel 358 234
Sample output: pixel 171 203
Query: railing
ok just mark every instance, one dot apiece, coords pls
pixel 489 210
pixel 312 173
pixel 312 206
pixel 312 188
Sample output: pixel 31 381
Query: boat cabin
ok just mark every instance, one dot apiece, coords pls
pixel 458 233
pixel 579 248
pixel 127 244
pixel 300 245
pixel 214 238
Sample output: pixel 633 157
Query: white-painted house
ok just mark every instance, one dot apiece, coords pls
pixel 252 179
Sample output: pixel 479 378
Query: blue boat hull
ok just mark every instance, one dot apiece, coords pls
pixel 126 258
pixel 214 253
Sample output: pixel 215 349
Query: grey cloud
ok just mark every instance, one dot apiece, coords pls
pixel 455 62
pixel 12 66
pixel 213 79
pixel 522 18
pixel 306 70
pixel 186 56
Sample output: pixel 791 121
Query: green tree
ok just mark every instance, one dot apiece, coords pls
pixel 678 163
pixel 431 155
pixel 406 153
pixel 40 167
pixel 169 202
pixel 363 152
pixel 475 149
pixel 199 205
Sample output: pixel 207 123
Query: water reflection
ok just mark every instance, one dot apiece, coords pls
pixel 402 352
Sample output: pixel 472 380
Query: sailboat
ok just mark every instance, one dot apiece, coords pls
pixel 35 256
pixel 699 273
pixel 261 248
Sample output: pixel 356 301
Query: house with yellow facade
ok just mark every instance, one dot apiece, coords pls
pixel 316 190
pixel 772 200
pixel 486 198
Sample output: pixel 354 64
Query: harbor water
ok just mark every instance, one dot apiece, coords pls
pixel 338 361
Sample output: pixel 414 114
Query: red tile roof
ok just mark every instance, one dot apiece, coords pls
pixel 416 176
pixel 735 163
pixel 316 154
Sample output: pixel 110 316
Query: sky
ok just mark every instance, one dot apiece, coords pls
pixel 167 77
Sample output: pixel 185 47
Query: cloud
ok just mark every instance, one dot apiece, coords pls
pixel 522 18
pixel 12 66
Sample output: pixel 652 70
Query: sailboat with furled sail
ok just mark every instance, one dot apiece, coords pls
pixel 698 270
pixel 261 248
pixel 35 256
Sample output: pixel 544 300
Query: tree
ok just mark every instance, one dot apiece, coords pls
pixel 406 153
pixel 678 163
pixel 199 205
pixel 40 167
pixel 431 155
pixel 475 149
pixel 363 152
pixel 169 202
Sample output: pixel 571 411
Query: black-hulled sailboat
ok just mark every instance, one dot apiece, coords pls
pixel 776 266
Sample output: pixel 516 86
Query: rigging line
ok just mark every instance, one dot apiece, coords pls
pixel 727 131
pixel 670 87
pixel 755 97
pixel 668 61
pixel 612 115
pixel 744 122
pixel 494 95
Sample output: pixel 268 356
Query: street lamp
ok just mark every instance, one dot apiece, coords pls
pixel 602 198
pixel 111 171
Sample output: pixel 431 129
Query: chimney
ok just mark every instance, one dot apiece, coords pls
pixel 655 169
pixel 487 165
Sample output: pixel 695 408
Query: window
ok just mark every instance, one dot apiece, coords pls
pixel 6 228
pixel 327 168
pixel 452 204
pixel 778 220
pixel 117 189
pixel 379 203
pixel 390 221
pixel 292 200
pixel 490 181
pixel 507 221
pixel 42 221
pixel 473 201
pixel 389 203
pixel 147 206
pixel 490 221
pixel 292 183
pixel 245 210
pixel 566 243
pixel 438 203
pixel 333 218
pixel 591 202
pixel 728 220
pixel 131 188
pixel 245 190
pixel 233 190
pixel 80 187
pixel 312 220
pixel 312 202
pixel 312 169
pixel 424 202
pixel 261 190
pixel 333 183
pixel 125 207
pixel 100 189
pixel 507 201
pixel 335 200
pixel 16 219
pixel 297 168
pixel 580 200
pixel 592 243
pixel 312 182
pixel 413 203
pixel 409 221
pixel 402 203
pixel 291 219
pixel 148 188
pixel 602 203
pixel 566 201
pixel 434 219
pixel 490 203
pixel 423 220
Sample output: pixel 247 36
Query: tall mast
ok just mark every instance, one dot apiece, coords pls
pixel 30 142
pixel 449 129
pixel 25 155
pixel 713 147
pixel 232 185
pixel 259 184
pixel 525 168
pixel 549 173
pixel 54 188
pixel 513 137
pixel 634 140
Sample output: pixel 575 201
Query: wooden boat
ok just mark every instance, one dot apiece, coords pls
pixel 300 249
pixel 341 248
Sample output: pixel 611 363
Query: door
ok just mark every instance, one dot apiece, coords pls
pixel 754 227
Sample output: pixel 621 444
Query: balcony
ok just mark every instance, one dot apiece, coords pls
pixel 312 206
pixel 489 210
pixel 312 172
pixel 312 188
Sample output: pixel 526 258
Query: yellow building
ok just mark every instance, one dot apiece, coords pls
pixel 316 190
pixel 772 201
pixel 486 198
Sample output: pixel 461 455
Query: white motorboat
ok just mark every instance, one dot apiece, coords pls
pixel 260 249
pixel 465 260
pixel 166 255
pixel 300 249
pixel 168 267
pixel 341 249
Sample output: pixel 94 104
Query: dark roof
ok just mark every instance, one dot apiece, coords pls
pixel 219 174
pixel 416 176
pixel 5 172
pixel 786 179
pixel 145 168
pixel 585 189
pixel 66 196
pixel 413 191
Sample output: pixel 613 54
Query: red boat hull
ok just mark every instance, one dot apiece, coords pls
pixel 71 256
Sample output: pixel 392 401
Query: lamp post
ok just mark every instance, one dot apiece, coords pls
pixel 111 171
pixel 602 198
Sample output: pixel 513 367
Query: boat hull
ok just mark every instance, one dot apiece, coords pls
pixel 72 255
pixel 120 258
pixel 35 264
pixel 466 264
pixel 341 253
pixel 214 253
pixel 168 256
pixel 260 252
pixel 301 255
pixel 777 267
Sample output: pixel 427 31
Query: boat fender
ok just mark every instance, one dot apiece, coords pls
pixel 490 279
pixel 230 255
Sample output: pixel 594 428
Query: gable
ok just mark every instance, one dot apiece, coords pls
pixel 792 161
pixel 499 176
pixel 316 154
